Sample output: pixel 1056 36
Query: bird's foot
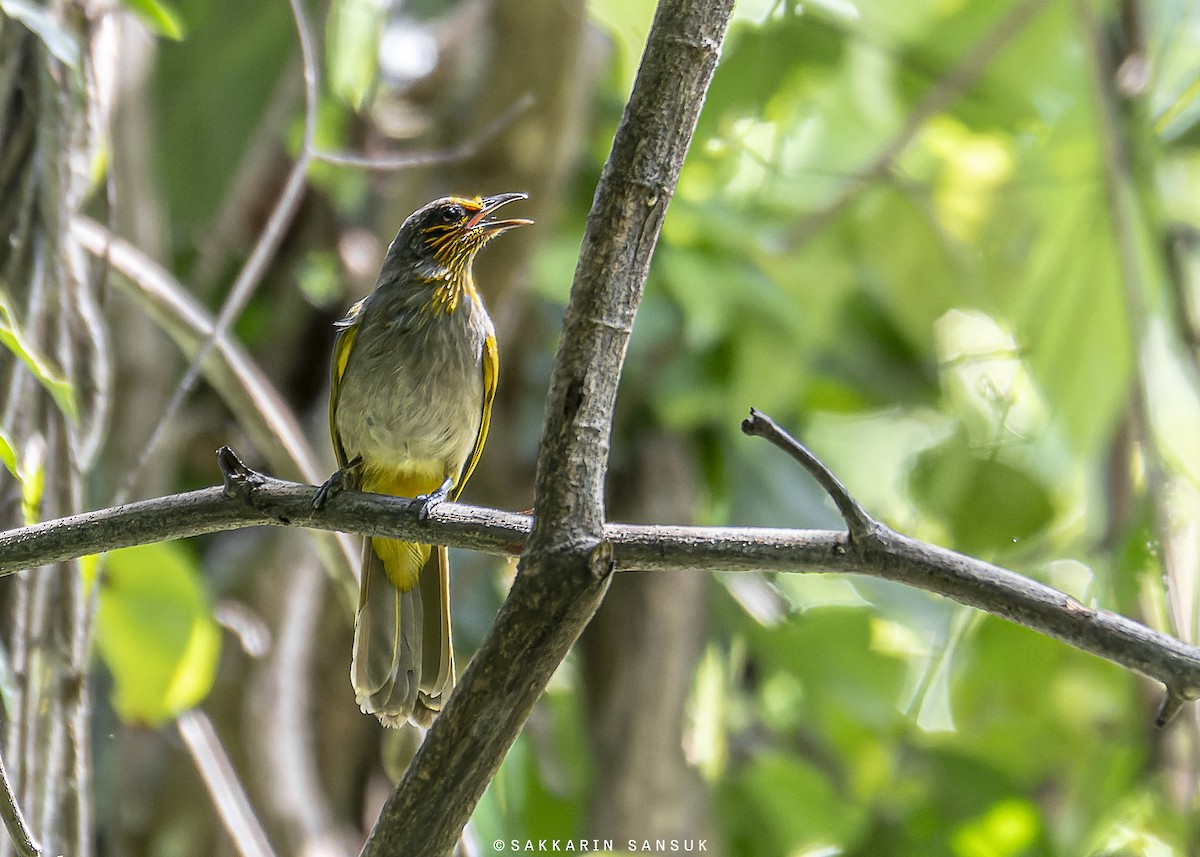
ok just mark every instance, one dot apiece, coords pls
pixel 428 501
pixel 344 477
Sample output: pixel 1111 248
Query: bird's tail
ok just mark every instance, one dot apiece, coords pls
pixel 403 663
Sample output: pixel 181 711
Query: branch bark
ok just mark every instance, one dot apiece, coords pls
pixel 251 499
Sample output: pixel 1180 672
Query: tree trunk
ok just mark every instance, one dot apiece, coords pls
pixel 639 656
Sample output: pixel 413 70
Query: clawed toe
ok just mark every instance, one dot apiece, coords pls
pixel 341 479
pixel 324 492
pixel 428 501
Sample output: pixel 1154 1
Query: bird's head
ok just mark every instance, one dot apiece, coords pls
pixel 440 239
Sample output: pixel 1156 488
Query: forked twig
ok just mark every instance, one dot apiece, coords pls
pixel 885 553
pixel 860 524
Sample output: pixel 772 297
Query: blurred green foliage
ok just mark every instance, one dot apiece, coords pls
pixel 915 265
pixel 207 120
pixel 951 329
pixel 159 16
pixel 155 631
pixel 15 340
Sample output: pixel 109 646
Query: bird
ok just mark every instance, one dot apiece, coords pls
pixel 412 380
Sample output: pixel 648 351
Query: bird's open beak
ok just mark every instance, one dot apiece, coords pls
pixel 490 204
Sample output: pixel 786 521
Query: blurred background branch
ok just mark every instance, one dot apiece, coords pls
pixel 224 788
pixel 14 820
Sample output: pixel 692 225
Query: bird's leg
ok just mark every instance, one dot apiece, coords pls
pixel 344 477
pixel 428 501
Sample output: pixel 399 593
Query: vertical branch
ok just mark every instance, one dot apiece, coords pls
pixel 1119 75
pixel 45 177
pixel 622 229
pixel 638 659
pixel 564 571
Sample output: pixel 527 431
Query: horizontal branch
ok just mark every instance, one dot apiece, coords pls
pixel 252 499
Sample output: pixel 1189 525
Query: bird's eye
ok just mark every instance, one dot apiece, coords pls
pixel 453 214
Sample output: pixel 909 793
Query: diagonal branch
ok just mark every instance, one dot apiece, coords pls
pixel 251 274
pixel 259 407
pixel 222 783
pixel 250 395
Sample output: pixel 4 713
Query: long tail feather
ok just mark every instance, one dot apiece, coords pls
pixel 437 668
pixel 403 662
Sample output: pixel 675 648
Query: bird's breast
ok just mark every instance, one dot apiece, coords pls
pixel 411 397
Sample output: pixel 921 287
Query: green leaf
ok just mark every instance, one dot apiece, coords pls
pixel 986 504
pixel 38 19
pixel 353 49
pixel 1037 711
pixel 155 632
pixel 849 684
pixel 1072 274
pixel 1042 57
pixel 786 805
pixel 8 455
pixel 158 16
pixel 627 22
pixel 906 265
pixel 14 340
pixel 1009 828
pixel 786 51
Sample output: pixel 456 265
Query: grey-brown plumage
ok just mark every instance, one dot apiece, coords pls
pixel 414 374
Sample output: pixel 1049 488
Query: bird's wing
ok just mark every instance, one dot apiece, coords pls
pixel 491 365
pixel 347 331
